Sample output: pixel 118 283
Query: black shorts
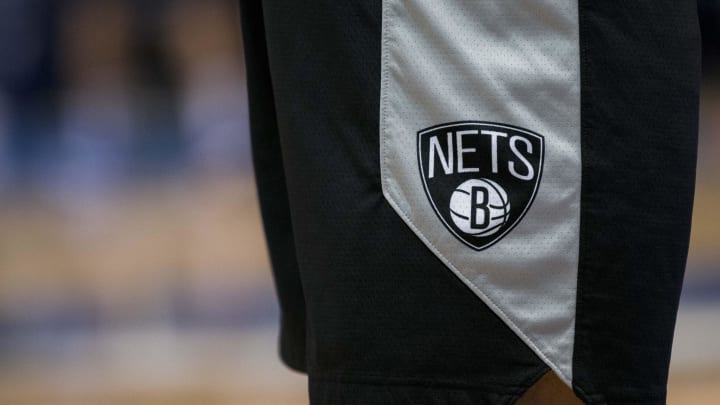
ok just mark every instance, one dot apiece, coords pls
pixel 460 196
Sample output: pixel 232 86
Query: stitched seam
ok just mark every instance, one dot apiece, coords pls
pixel 384 73
pixel 585 127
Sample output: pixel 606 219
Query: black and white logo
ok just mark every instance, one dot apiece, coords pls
pixel 480 177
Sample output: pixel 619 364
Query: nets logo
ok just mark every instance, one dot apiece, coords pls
pixel 480 177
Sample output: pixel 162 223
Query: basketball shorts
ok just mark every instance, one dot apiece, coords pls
pixel 461 196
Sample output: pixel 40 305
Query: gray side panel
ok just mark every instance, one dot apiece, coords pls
pixel 514 62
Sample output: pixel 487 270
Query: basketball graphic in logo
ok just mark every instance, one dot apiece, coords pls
pixel 479 207
pixel 480 177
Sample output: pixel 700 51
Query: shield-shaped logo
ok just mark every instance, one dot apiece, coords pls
pixel 480 177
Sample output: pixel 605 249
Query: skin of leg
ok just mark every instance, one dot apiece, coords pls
pixel 549 390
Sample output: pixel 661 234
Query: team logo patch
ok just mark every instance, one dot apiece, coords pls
pixel 480 177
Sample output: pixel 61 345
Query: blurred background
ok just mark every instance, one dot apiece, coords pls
pixel 132 262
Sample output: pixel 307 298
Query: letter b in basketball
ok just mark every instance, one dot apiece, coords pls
pixel 479 207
